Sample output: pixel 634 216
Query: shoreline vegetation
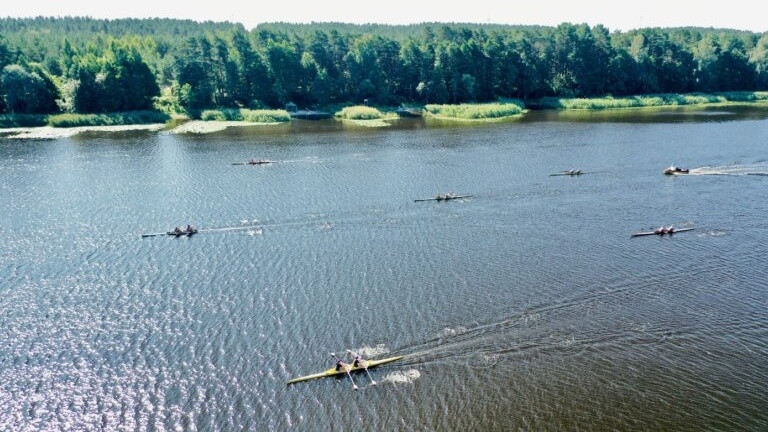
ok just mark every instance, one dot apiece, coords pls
pixel 28 126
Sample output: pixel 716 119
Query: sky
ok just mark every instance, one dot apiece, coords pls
pixel 616 15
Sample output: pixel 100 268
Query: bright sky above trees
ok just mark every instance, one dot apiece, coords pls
pixel 613 14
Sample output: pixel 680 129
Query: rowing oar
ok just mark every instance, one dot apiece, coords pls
pixel 346 369
pixel 365 366
pixel 154 234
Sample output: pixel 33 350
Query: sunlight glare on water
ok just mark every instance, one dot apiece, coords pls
pixel 525 306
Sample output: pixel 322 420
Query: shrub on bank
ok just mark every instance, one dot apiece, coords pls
pixel 248 115
pixel 107 119
pixel 651 100
pixel 265 116
pixel 477 111
pixel 744 96
pixel 360 112
pixel 23 120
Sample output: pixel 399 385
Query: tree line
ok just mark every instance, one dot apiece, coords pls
pixel 85 65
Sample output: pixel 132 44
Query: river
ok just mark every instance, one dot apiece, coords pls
pixel 526 306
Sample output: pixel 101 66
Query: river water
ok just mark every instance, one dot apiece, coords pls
pixel 526 306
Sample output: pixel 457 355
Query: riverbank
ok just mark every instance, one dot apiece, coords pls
pixel 381 117
pixel 648 101
pixel 50 132
pixel 190 127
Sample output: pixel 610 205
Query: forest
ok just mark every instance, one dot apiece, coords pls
pixel 91 66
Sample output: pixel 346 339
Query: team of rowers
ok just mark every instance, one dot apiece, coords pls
pixel 189 230
pixel 676 170
pixel 664 230
pixel 357 361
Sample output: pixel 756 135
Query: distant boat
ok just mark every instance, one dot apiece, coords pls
pixel 572 172
pixel 676 170
pixel 178 232
pixel 443 197
pixel 661 231
pixel 254 162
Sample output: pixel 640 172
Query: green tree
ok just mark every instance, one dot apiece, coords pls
pixel 416 67
pixel 26 92
pixel 759 59
pixel 286 71
pixel 254 86
pixel 373 63
pixel 193 69
pixel 128 80
pixel 665 67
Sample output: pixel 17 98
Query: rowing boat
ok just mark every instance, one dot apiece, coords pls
pixel 254 162
pixel 647 233
pixel 181 233
pixel 195 231
pixel 333 372
pixel 445 197
pixel 568 173
pixel 673 170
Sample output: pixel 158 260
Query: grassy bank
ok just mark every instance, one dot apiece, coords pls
pixel 484 111
pixel 78 120
pixel 653 100
pixel 367 115
pixel 360 112
pixel 246 115
pixel 107 119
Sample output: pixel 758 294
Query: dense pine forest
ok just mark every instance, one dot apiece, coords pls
pixel 84 65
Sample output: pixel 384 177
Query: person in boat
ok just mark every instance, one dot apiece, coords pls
pixel 357 359
pixel 190 228
pixel 660 230
pixel 340 364
pixel 177 230
pixel 670 229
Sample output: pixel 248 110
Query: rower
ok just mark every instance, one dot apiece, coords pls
pixel 671 229
pixel 358 360
pixel 659 230
pixel 190 228
pixel 340 364
pixel 177 230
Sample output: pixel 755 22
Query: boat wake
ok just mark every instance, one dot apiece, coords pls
pixel 536 332
pixel 732 170
pixel 402 377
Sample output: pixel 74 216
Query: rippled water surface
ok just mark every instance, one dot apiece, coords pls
pixel 525 306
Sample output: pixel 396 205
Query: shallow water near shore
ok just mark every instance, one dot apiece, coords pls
pixel 525 306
